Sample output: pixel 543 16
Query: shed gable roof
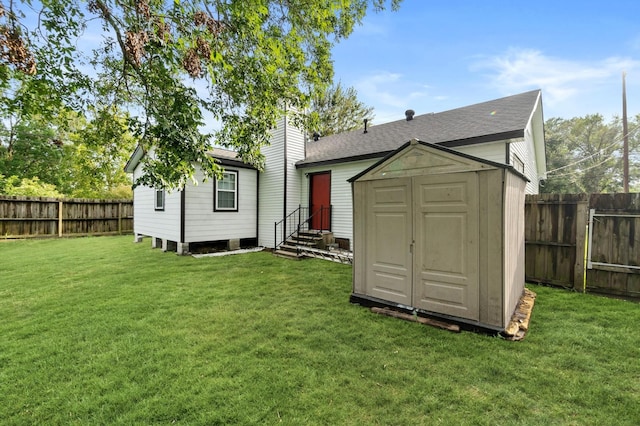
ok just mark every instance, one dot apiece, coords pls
pixel 422 158
pixel 500 119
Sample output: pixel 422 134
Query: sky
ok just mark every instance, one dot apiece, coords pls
pixel 435 55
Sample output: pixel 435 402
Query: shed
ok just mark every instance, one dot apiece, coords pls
pixel 440 233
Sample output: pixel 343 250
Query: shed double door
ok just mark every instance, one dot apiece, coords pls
pixel 421 238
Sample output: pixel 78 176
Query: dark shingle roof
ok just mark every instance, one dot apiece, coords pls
pixel 227 157
pixel 495 120
pixel 223 156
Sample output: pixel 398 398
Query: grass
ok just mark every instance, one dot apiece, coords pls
pixel 104 331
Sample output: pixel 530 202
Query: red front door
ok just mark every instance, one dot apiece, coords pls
pixel 320 201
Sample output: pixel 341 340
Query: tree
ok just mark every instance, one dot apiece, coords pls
pixel 584 154
pixel 97 152
pixel 338 110
pixel 259 59
pixel 30 149
pixel 27 187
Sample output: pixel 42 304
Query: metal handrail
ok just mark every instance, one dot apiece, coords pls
pixel 288 226
pixel 322 216
pixel 294 223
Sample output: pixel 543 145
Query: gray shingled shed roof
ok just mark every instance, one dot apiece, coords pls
pixel 500 119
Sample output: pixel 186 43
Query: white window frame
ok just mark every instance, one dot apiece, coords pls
pixel 159 200
pixel 235 191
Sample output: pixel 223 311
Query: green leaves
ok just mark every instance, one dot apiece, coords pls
pixel 336 111
pixel 251 61
pixel 584 154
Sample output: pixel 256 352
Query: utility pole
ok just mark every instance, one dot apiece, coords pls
pixel 625 134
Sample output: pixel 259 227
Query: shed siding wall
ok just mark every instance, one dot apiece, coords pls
pixel 341 198
pixel 203 224
pixel 491 251
pixel 147 221
pixel 358 245
pixel 514 257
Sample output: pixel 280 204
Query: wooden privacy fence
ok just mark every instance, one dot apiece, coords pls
pixel 28 217
pixel 587 242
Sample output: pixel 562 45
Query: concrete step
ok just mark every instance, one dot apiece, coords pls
pixel 288 246
pixel 286 254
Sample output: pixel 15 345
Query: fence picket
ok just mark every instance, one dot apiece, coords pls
pixel 556 227
pixel 28 217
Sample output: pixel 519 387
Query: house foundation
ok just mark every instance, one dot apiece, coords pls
pixel 233 244
pixel 182 249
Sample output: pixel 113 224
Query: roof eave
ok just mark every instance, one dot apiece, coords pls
pixel 494 137
pixel 134 160
pixel 234 163
pixel 374 155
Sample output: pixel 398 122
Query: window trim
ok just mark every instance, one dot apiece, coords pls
pixel 159 207
pixel 216 208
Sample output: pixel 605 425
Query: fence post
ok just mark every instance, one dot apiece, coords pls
pixel 60 218
pixel 119 218
pixel 579 270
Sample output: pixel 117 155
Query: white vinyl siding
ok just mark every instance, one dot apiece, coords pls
pixel 204 224
pixel 272 187
pixel 492 151
pixel 525 148
pixel 148 221
pixel 497 151
pixel 295 153
pixel 341 200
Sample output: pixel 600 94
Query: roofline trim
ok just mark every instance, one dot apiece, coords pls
pixel 371 156
pixel 134 160
pixel 234 163
pixel 138 154
pixel 494 137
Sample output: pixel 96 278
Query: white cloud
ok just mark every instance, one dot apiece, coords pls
pixel 561 80
pixel 390 94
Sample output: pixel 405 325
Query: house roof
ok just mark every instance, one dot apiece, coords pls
pixel 499 119
pixel 225 157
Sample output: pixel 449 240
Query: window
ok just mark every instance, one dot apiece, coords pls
pixel 226 192
pixel 159 205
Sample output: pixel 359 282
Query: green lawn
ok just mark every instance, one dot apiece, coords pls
pixel 103 331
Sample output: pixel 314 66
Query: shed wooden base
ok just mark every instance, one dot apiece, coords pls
pixel 407 317
pixel 519 324
pixel 464 324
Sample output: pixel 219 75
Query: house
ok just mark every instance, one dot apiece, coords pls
pixel 303 175
pixel 223 210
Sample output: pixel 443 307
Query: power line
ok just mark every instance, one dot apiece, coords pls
pixel 612 145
